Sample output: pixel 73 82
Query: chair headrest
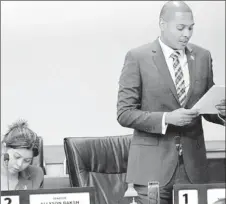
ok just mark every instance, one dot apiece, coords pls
pixel 99 154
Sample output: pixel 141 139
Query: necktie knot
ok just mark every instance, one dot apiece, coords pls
pixel 175 55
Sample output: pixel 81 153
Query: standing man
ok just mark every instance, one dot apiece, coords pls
pixel 159 84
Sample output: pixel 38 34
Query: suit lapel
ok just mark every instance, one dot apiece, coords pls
pixel 160 62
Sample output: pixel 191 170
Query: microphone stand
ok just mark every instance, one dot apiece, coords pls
pixel 6 160
pixel 7 175
pixel 131 192
pixel 179 150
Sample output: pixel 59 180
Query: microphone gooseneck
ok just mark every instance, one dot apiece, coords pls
pixel 177 142
pixel 6 160
pixel 179 150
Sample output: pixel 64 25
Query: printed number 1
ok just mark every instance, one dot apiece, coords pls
pixel 186 198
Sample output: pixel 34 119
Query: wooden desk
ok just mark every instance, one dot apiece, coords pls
pixel 56 182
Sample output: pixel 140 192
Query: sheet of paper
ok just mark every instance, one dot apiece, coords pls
pixel 207 104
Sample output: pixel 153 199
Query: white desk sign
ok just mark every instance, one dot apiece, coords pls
pixel 188 197
pixel 10 199
pixel 213 195
pixel 60 198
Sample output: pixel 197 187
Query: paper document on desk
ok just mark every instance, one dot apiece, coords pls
pixel 213 96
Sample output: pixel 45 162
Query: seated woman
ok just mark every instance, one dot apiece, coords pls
pixel 20 145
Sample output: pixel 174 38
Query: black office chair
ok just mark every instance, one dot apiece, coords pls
pixel 100 162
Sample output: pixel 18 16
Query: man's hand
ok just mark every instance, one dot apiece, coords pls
pixel 221 108
pixel 181 116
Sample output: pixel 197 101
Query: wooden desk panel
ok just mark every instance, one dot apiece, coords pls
pixel 56 182
pixel 217 170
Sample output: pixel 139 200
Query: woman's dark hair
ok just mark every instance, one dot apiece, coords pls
pixel 20 136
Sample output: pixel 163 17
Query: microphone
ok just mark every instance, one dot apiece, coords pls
pixel 177 142
pixel 6 160
pixel 178 145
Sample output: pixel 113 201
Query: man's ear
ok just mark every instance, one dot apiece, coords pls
pixel 162 24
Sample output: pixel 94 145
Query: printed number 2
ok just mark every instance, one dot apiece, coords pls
pixel 9 200
pixel 185 198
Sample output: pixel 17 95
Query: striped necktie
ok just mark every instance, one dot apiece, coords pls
pixel 179 78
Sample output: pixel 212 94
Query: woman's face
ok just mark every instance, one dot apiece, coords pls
pixel 19 159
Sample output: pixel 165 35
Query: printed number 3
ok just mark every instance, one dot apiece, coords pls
pixel 9 200
pixel 185 198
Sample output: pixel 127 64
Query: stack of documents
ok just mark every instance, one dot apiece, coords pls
pixel 207 104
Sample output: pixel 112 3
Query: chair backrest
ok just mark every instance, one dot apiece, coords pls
pixel 100 162
pixel 39 160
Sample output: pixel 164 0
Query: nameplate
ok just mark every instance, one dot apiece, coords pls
pixel 199 193
pixel 10 199
pixel 60 198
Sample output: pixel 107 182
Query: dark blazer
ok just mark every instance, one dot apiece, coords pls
pixel 146 91
pixel 31 178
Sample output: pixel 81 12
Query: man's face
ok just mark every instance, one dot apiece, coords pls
pixel 178 29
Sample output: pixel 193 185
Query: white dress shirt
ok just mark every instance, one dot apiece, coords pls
pixel 167 51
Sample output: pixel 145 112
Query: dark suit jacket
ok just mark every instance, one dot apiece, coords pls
pixel 146 90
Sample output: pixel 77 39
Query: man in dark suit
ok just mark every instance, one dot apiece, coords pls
pixel 159 84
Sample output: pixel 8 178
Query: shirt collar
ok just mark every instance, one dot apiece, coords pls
pixel 168 50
